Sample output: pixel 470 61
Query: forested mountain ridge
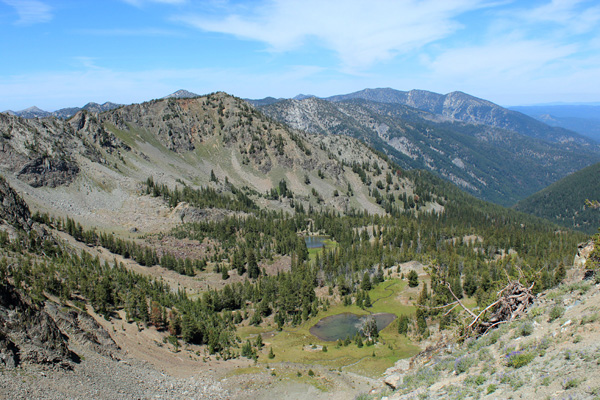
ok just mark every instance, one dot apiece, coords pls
pixel 564 202
pixel 494 164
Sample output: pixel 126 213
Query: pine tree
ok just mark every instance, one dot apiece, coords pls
pixel 413 278
pixel 253 270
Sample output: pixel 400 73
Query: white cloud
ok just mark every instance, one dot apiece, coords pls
pixel 514 70
pixel 574 15
pixel 361 32
pixel 507 57
pixel 30 11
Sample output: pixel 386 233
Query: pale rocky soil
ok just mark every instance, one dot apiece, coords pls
pixel 566 363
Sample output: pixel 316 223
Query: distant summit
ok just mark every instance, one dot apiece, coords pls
pixel 272 100
pixel 181 94
pixel 63 113
pixel 303 96
pixel 98 108
pixel 31 112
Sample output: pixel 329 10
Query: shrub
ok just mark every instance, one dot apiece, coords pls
pixel 586 319
pixel 526 329
pixel 462 364
pixel 571 383
pixel 546 381
pixel 517 359
pixel 491 388
pixel 477 380
pixel 556 312
pixel 311 373
pixel 423 377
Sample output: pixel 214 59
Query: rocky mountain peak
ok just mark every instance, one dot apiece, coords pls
pixel 181 94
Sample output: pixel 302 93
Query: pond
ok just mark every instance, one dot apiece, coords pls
pixel 340 326
pixel 315 242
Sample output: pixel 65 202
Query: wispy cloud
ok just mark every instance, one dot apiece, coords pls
pixel 360 32
pixel 30 11
pixel 578 16
pixel 507 57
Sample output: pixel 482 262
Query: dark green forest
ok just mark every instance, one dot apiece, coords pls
pixel 564 202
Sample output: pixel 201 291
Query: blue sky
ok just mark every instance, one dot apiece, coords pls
pixel 59 53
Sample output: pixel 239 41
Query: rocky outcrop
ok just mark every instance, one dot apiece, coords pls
pixel 28 334
pixel 14 210
pixel 583 253
pixel 50 172
pixel 80 327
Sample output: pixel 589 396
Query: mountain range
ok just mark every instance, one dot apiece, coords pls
pixel 497 154
pixel 64 113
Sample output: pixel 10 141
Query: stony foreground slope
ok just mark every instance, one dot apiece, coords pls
pixel 553 352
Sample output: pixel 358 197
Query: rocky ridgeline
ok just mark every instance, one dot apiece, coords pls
pixel 463 107
pixel 457 136
pixel 30 332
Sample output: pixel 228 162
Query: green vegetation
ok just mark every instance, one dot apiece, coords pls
pixel 564 202
pixel 519 359
pixel 354 265
pixel 205 197
pixel 556 312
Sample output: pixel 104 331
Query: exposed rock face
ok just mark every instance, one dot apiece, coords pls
pixel 460 106
pixel 583 253
pixel 15 215
pixel 48 172
pixel 82 328
pixel 14 210
pixel 181 94
pixel 28 334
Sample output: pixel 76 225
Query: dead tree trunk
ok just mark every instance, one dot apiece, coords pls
pixel 512 302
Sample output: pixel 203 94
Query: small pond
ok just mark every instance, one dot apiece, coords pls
pixel 339 326
pixel 315 242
